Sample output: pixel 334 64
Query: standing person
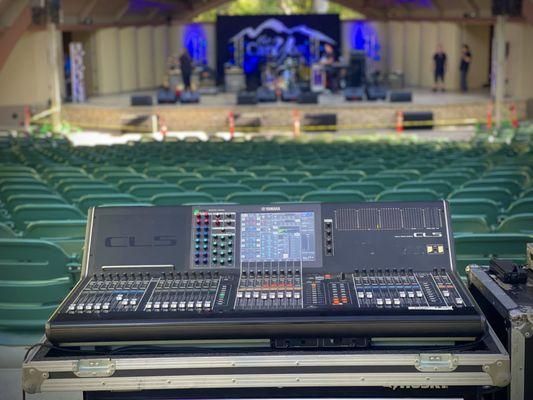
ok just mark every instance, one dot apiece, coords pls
pixel 328 60
pixel 186 69
pixel 466 58
pixel 439 68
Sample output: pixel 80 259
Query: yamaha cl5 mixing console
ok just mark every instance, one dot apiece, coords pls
pixel 273 271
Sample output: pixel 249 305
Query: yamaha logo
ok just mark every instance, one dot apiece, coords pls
pixel 270 208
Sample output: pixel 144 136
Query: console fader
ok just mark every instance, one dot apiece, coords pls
pixel 295 270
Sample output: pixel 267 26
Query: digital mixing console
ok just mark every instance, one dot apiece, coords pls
pixel 276 271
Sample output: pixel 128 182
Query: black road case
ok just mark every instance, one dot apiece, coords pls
pixel 509 309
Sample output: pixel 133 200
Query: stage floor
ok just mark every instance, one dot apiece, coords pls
pixel 112 112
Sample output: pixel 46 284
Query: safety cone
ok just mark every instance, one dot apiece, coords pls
pixel 399 121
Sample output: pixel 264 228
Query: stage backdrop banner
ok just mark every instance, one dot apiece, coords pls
pixel 243 40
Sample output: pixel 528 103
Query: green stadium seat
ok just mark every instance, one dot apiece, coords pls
pixel 82 180
pixel 36 276
pixel 257 197
pixel 95 200
pixel 369 189
pixel 222 190
pixel 193 183
pixel 16 168
pixel 291 189
pixel 469 224
pixel 324 181
pixel 407 195
pixel 234 177
pixel 370 169
pixel 100 172
pixel 500 195
pixel 411 173
pixel 513 186
pixel 442 188
pixel 180 198
pixel 455 179
pixel 115 177
pixel 210 171
pixel 264 170
pixel 517 223
pixel 75 192
pixel 353 175
pixel 54 179
pixel 56 229
pixel 127 184
pixel 20 199
pixel 23 181
pixel 387 180
pixel 147 191
pixel 26 213
pixel 55 169
pixel 291 176
pixel 526 193
pixel 478 248
pixel 154 171
pixel 333 196
pixel 315 170
pixel 260 181
pixel 489 209
pixel 519 176
pixel 6 232
pixel 175 177
pixel 520 206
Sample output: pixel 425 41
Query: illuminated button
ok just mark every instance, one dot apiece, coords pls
pixel 119 297
pixel 418 293
pixel 80 307
pixel 396 302
pixel 402 294
pixel 230 243
pixel 181 305
pixel 97 307
pixel 379 302
pixel 256 295
pixel 133 302
pixel 297 295
pixel 204 247
pixel 207 304
pixel 215 243
pixel 89 307
pixel 199 304
pixel 281 295
pixel 165 304
pixel 197 240
pixel 230 260
pixel 72 307
pixel 458 300
pixel 222 261
pixel 272 295
pixel 410 294
pixel 264 295
pixel 388 302
pixel 368 295
pixel 247 295
pixel 214 251
pixel 440 249
pixel 288 295
pixel 197 246
pixel 361 295
pixel 174 305
pixel 190 304
pixel 157 305
pixel 239 295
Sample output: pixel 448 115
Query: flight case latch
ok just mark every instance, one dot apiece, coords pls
pixel 100 368
pixel 436 362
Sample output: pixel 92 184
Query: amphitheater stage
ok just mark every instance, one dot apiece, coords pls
pixel 113 112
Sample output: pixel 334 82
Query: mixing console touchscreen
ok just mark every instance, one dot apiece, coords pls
pixel 287 271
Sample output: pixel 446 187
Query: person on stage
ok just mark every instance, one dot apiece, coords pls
pixel 439 68
pixel 186 69
pixel 328 61
pixel 466 59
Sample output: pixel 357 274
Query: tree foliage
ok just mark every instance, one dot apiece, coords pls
pixel 255 7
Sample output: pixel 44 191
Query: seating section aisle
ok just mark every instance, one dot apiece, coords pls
pixel 47 186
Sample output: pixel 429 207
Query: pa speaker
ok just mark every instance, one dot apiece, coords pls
pixel 512 8
pixel 290 95
pixel 420 119
pixel 166 96
pixel 189 97
pixel 374 92
pixel 265 95
pixel 308 98
pixel 141 100
pixel 246 98
pixel 325 122
pixel 401 97
pixel 354 93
